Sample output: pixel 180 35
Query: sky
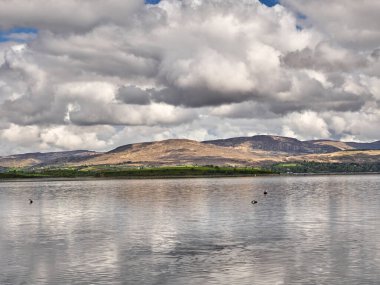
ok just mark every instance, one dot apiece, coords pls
pixel 83 74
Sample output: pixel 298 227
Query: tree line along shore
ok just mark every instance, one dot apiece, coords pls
pixel 120 171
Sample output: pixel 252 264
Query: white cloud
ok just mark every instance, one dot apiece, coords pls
pixel 306 125
pixel 198 69
pixel 21 135
pixel 63 137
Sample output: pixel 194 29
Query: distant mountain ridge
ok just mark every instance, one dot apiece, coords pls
pixel 255 150
pixel 292 145
pixel 41 159
pixel 362 146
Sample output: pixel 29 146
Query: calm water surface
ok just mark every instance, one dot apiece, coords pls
pixel 307 230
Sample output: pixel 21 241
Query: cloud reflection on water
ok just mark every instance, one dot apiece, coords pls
pixel 307 230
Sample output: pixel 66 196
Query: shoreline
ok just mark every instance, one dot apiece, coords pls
pixel 92 178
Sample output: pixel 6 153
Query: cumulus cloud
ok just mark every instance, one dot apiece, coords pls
pixel 195 69
pixel 19 139
pixel 309 124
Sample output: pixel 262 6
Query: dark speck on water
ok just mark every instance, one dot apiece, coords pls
pixel 312 230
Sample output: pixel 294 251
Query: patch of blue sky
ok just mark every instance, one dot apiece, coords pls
pixel 19 34
pixel 152 1
pixel 25 34
pixel 269 3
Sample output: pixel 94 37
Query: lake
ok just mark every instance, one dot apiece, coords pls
pixel 307 230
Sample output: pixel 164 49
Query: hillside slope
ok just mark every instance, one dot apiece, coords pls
pixel 177 152
pixel 241 151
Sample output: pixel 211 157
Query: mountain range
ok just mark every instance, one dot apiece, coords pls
pixel 239 151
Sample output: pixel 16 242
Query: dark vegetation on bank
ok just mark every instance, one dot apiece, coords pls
pixel 322 167
pixel 120 171
pixel 140 172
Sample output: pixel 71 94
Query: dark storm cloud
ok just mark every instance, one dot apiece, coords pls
pixel 351 23
pixel 326 58
pixel 133 95
pixel 65 16
pixel 198 97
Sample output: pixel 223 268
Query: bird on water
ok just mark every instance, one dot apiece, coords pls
pixel 265 192
pixel 254 202
pixel 30 201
